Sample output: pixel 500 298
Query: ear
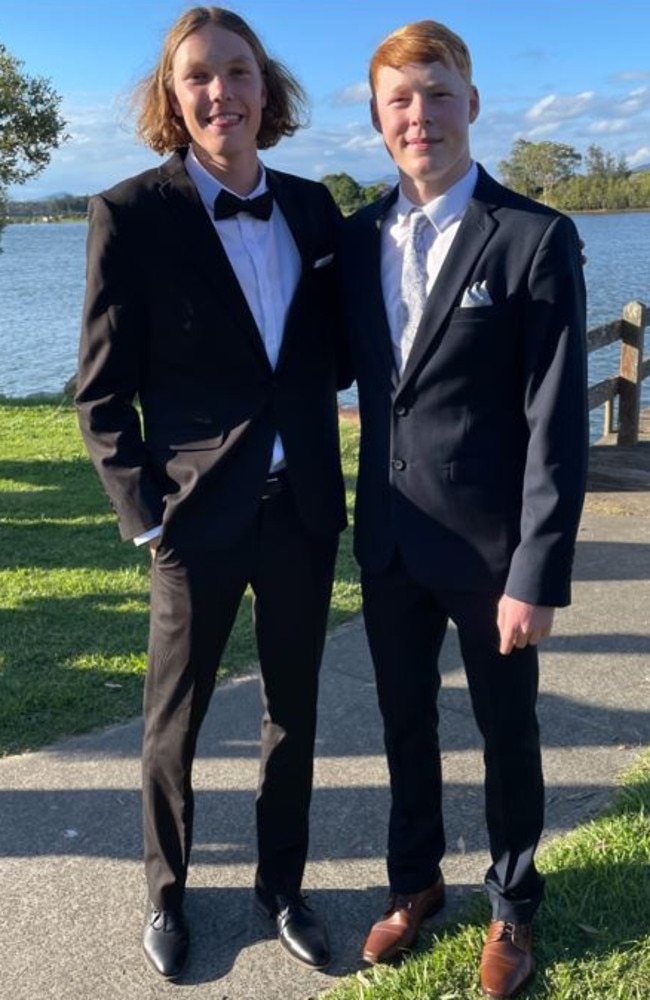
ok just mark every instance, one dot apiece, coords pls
pixel 474 104
pixel 374 114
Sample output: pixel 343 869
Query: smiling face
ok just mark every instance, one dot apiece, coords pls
pixel 218 90
pixel 424 111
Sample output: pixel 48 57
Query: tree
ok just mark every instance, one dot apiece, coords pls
pixel 598 163
pixel 535 168
pixel 348 194
pixel 375 191
pixel 30 123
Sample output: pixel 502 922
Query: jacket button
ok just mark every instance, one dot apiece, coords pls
pixel 401 410
pixel 399 464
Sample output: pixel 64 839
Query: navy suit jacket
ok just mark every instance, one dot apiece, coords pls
pixel 177 401
pixel 473 463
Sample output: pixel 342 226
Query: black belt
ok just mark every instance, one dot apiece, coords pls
pixel 276 483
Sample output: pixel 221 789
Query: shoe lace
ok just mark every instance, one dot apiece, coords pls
pixel 517 934
pixel 397 901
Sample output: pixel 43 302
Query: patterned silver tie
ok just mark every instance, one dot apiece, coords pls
pixel 414 282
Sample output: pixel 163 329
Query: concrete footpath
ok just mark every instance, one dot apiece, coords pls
pixel 71 885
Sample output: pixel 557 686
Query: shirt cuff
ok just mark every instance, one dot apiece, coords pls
pixel 147 536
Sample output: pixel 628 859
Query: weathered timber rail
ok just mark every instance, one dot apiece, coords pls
pixel 621 393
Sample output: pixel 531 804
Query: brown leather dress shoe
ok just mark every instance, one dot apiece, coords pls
pixel 398 929
pixel 507 961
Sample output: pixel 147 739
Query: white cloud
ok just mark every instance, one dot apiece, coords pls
pixel 634 75
pixel 609 126
pixel 354 149
pixel 356 93
pixel 639 157
pixel 554 107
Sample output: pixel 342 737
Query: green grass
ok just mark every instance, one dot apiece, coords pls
pixel 592 933
pixel 73 597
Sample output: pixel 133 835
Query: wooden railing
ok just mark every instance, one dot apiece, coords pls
pixel 624 388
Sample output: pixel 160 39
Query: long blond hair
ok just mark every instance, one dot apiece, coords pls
pixel 163 130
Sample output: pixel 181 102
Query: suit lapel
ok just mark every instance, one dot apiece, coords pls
pixel 368 261
pixel 294 211
pixel 296 214
pixel 203 250
pixel 473 233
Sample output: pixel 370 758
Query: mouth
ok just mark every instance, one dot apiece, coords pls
pixel 422 142
pixel 225 119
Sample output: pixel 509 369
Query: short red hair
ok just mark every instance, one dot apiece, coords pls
pixel 422 42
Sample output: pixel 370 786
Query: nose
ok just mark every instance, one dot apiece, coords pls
pixel 218 89
pixel 420 110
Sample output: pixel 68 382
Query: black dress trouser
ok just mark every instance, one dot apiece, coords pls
pixel 195 595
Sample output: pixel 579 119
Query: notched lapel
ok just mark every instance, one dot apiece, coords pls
pixel 368 261
pixel 473 233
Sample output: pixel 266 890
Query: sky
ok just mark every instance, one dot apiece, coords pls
pixel 570 71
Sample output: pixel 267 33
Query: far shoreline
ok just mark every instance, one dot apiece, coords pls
pixel 75 219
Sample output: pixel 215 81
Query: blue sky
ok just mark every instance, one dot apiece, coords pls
pixel 573 71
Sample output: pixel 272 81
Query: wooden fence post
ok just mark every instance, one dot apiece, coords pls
pixel 631 374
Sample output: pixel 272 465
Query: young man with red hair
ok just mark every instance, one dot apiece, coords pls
pixel 466 311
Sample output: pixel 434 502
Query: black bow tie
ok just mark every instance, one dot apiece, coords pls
pixel 226 205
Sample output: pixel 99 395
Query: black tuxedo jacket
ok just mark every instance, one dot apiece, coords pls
pixel 178 403
pixel 473 462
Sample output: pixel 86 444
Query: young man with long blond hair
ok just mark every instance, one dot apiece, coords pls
pixel 207 400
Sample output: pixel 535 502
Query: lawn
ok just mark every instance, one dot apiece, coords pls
pixel 74 598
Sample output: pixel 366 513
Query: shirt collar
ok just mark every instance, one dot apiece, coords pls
pixel 209 187
pixel 447 207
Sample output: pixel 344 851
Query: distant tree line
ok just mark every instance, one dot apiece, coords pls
pixel 545 171
pixel 347 193
pixel 548 172
pixel 66 206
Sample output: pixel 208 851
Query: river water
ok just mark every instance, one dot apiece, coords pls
pixel 42 278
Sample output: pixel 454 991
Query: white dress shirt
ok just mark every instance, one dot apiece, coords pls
pixel 266 262
pixel 444 213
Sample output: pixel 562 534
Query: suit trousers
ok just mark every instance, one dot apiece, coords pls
pixel 406 621
pixel 195 595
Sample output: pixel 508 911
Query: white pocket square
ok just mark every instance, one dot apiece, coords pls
pixel 324 261
pixel 476 295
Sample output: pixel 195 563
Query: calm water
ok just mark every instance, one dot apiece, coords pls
pixel 42 277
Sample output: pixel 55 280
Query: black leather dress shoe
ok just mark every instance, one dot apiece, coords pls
pixel 301 932
pixel 166 941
